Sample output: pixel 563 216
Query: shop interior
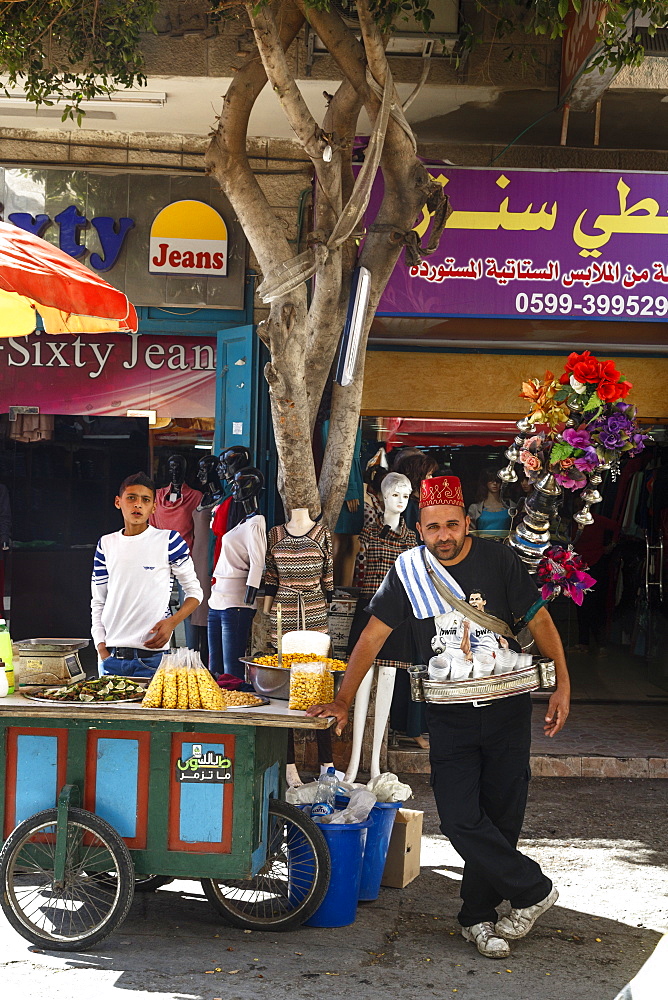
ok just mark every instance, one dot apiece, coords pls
pixel 62 474
pixel 617 648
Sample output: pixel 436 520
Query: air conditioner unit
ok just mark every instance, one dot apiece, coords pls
pixel 409 37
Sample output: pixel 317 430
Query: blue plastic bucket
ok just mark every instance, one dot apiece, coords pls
pixel 345 842
pixel 383 815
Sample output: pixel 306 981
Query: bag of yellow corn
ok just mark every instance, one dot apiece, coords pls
pixel 310 684
pixel 194 700
pixel 153 696
pixel 169 688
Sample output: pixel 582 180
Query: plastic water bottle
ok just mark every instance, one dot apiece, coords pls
pixel 323 804
pixel 6 656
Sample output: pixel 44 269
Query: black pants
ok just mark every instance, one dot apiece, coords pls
pixel 480 776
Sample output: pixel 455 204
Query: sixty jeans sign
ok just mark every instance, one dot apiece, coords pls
pixel 110 374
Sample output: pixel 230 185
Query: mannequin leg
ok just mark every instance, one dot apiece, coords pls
pixel 235 629
pixel 214 630
pixel 359 724
pixel 384 690
pixel 291 773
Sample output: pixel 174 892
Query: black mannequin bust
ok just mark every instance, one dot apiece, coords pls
pixel 233 460
pixel 177 475
pixel 207 474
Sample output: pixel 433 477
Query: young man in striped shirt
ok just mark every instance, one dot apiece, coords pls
pixel 132 583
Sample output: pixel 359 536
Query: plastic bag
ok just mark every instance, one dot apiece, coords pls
pixel 360 805
pixel 302 795
pixel 387 788
pixel 311 683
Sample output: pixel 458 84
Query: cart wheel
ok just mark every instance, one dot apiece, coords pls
pixel 89 905
pixel 149 883
pixel 290 886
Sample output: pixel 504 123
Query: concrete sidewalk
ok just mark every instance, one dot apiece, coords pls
pixel 601 840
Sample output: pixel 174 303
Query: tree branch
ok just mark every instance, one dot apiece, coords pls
pixel 330 300
pixel 271 51
pixel 227 158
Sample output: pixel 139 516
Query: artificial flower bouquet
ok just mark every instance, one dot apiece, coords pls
pixel 563 571
pixel 582 422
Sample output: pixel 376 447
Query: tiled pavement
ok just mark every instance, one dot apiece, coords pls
pixel 599 741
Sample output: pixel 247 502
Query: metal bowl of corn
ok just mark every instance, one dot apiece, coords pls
pixel 274 682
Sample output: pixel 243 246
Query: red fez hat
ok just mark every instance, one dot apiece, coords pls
pixel 440 491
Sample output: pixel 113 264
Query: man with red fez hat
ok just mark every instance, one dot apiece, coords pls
pixel 479 750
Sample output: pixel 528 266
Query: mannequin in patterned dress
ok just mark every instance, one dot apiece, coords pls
pixel 299 576
pixel 380 544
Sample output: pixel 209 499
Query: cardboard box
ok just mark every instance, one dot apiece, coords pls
pixel 341 614
pixel 403 855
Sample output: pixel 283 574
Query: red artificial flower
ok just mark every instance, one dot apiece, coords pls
pixel 608 371
pixel 572 360
pixel 610 392
pixel 625 388
pixel 588 370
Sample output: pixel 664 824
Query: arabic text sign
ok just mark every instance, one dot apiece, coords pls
pixel 204 768
pixel 541 243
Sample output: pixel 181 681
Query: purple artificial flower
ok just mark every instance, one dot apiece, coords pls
pixel 588 461
pixel 609 440
pixel 577 438
pixel 618 423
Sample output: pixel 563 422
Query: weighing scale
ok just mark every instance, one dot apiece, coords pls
pixel 50 661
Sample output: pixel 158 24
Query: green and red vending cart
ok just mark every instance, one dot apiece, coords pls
pixel 98 797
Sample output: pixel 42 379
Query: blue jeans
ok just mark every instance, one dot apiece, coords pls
pixel 228 637
pixel 144 667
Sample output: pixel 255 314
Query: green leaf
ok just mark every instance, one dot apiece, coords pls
pixel 560 451
pixel 593 403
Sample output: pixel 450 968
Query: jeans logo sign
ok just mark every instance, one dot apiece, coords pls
pixel 204 768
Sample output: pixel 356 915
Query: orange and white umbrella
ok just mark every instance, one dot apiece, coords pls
pixel 36 276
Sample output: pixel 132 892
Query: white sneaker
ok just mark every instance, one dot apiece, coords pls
pixel 519 922
pixel 486 941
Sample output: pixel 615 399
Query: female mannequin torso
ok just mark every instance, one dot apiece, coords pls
pixel 299 573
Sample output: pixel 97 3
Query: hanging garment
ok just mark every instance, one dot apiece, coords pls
pixel 379 548
pixel 177 515
pixel 299 576
pixel 202 552
pixel 219 524
pixel 240 563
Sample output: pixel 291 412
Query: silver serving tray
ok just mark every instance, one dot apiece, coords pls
pixel 274 682
pixel 82 704
pixel 244 708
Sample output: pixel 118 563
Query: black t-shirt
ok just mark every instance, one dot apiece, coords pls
pixel 492 576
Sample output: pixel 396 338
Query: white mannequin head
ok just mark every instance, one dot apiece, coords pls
pixel 396 491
